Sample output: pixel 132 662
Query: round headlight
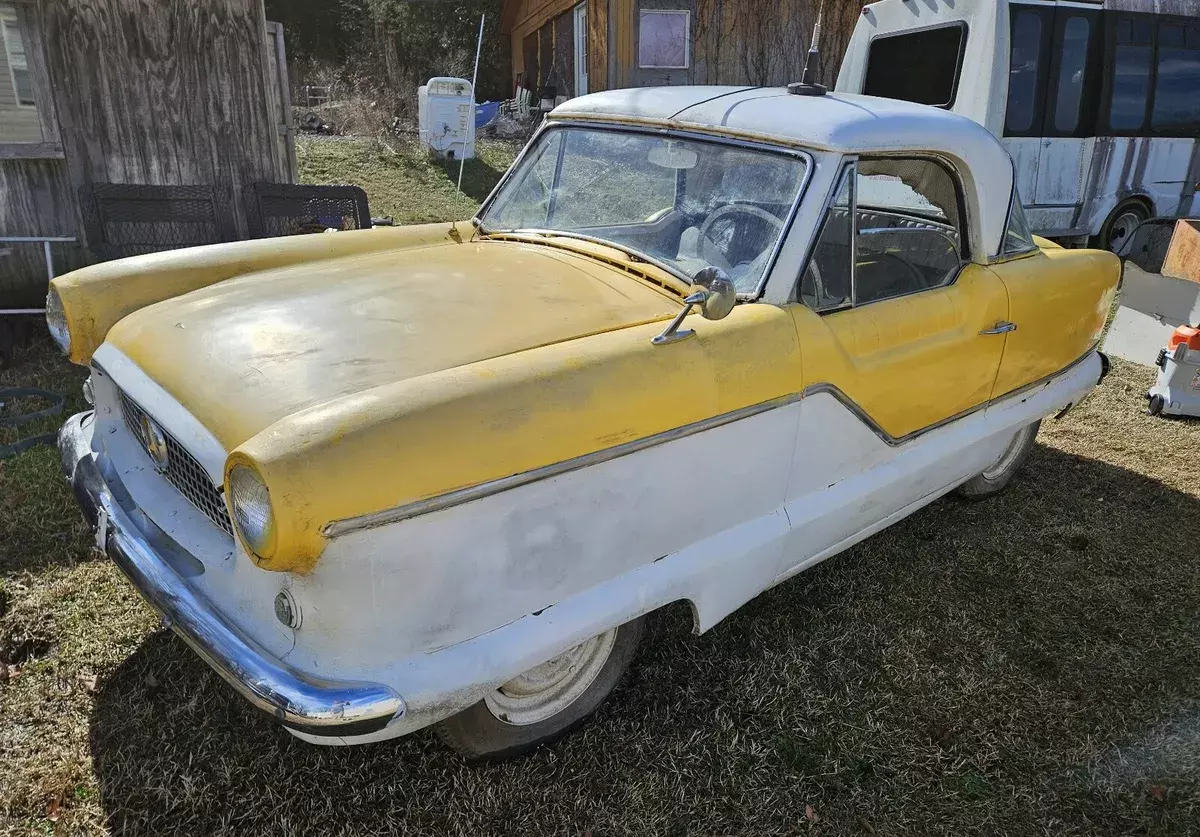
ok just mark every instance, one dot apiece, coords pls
pixel 251 505
pixel 56 321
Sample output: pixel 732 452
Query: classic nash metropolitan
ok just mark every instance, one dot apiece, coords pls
pixel 440 474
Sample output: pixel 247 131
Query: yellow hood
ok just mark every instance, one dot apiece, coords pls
pixel 246 352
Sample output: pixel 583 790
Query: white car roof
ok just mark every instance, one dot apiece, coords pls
pixel 846 123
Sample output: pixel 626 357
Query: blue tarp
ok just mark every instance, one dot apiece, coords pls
pixel 485 113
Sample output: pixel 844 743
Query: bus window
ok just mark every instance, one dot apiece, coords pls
pixel 1072 60
pixel 1024 71
pixel 1130 74
pixel 1176 104
pixel 920 67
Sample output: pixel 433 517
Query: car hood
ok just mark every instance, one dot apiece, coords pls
pixel 246 352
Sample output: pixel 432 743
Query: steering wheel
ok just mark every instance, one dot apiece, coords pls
pixel 738 209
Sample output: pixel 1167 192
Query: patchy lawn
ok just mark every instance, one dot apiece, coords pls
pixel 1024 665
pixel 401 181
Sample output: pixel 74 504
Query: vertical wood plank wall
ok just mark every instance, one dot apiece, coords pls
pixel 597 45
pixel 165 93
pixel 35 199
pixel 171 92
pixel 725 35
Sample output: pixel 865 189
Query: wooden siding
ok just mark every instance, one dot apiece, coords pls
pixel 35 199
pixel 173 93
pixel 732 41
pixel 562 71
pixel 597 15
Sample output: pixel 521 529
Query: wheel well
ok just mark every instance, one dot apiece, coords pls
pixel 1146 203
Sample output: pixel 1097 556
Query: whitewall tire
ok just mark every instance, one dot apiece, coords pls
pixel 545 703
pixel 994 478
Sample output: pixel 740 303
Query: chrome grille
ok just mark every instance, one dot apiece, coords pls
pixel 183 471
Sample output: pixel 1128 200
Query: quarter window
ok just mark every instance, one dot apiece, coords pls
pixel 906 235
pixel 920 67
pixel 1131 74
pixel 1024 72
pixel 1017 237
pixel 1177 84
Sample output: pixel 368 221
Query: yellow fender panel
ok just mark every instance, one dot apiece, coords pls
pixel 464 426
pixel 97 297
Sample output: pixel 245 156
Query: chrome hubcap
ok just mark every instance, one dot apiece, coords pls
pixel 544 691
pixel 1010 454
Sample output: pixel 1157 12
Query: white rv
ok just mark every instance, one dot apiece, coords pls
pixel 1097 102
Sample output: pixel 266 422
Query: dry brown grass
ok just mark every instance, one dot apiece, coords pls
pixel 1020 666
pixel 1026 665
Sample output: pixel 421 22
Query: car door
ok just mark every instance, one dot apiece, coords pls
pixel 898 335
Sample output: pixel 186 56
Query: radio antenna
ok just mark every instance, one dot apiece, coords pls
pixel 806 86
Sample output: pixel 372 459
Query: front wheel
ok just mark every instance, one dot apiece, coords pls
pixel 545 703
pixel 996 476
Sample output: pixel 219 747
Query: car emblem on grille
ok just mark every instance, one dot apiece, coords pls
pixel 155 441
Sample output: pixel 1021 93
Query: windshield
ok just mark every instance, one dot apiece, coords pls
pixel 684 203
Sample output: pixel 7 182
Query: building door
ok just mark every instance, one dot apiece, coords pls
pixel 581 46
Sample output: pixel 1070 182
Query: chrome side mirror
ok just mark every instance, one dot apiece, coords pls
pixel 713 291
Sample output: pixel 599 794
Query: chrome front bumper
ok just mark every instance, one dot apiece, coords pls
pixel 148 557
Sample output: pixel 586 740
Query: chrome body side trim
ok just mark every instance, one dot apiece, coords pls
pixel 450 499
pixel 158 567
pixel 486 489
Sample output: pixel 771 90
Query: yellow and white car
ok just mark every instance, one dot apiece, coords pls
pixel 439 474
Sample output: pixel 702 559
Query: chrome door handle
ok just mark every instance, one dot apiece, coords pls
pixel 1002 327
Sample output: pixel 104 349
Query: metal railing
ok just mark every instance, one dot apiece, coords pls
pixel 46 241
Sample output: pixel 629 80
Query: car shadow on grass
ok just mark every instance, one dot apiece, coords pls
pixel 478 176
pixel 1010 667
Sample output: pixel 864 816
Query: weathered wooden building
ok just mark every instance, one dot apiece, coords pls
pixel 163 93
pixel 577 47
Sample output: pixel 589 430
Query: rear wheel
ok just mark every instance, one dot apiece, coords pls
pixel 996 476
pixel 545 703
pixel 1120 225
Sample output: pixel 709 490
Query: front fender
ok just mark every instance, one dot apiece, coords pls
pixel 375 451
pixel 97 297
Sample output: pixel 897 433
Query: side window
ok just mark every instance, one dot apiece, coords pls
pixel 1024 72
pixel 825 284
pixel 1132 57
pixel 1017 237
pixel 1072 63
pixel 1176 109
pixel 908 228
pixel 922 67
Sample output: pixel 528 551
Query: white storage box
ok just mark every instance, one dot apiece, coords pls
pixel 446 117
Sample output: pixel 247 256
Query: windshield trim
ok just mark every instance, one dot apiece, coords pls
pixel 802 154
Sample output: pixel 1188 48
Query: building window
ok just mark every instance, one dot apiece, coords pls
pixel 920 67
pixel 664 40
pixel 14 50
pixel 1176 111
